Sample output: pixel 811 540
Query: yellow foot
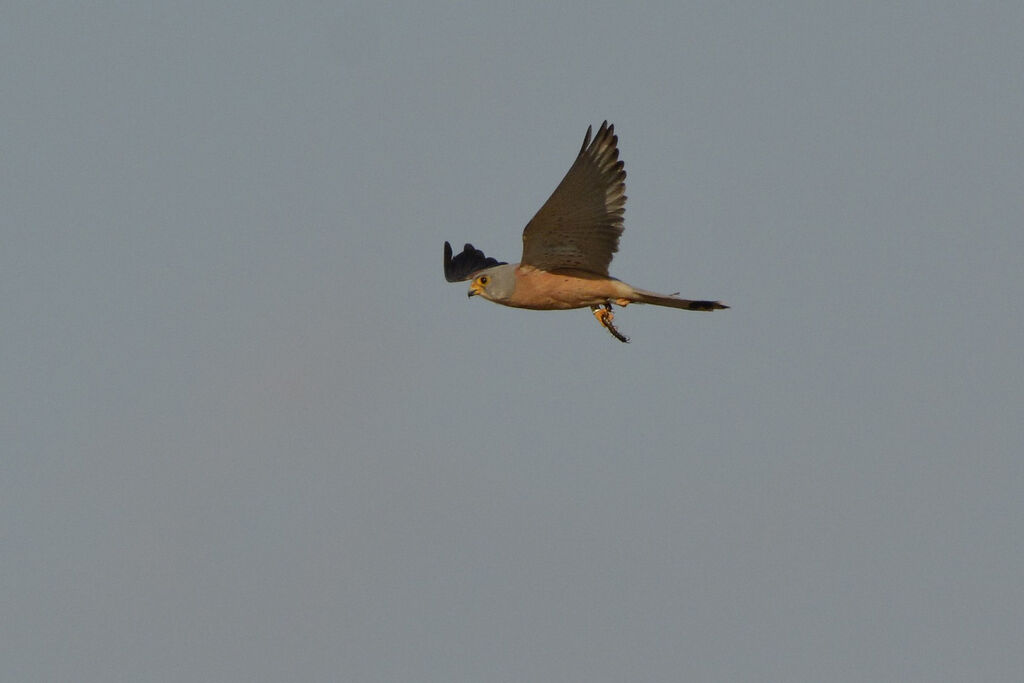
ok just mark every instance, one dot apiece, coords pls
pixel 605 317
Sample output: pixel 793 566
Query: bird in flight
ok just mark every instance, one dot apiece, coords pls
pixel 568 245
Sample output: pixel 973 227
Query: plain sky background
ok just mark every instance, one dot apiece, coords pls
pixel 251 434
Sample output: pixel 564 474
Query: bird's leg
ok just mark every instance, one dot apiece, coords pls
pixel 605 316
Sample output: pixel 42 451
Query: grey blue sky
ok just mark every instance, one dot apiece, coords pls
pixel 251 434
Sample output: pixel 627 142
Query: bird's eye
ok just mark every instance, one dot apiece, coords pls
pixel 483 279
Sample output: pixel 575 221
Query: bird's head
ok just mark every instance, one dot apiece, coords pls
pixel 495 284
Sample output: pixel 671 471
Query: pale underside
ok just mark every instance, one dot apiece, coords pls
pixel 564 289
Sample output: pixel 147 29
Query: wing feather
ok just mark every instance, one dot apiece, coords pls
pixel 580 224
pixel 465 264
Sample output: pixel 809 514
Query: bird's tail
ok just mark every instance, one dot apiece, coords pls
pixel 673 301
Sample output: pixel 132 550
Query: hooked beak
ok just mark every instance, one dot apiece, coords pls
pixel 474 289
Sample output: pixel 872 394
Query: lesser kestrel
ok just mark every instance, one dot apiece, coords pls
pixel 568 245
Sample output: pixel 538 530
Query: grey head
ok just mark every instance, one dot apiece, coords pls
pixel 495 283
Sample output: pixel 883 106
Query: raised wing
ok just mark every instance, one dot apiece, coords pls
pixel 579 225
pixel 465 264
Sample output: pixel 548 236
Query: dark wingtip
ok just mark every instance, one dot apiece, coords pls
pixel 586 139
pixel 463 266
pixel 607 130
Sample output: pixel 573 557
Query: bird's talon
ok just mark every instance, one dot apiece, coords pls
pixel 605 317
